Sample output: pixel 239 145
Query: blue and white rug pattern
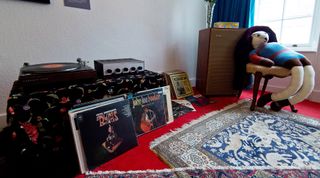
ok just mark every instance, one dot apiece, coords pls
pixel 237 137
pixel 267 140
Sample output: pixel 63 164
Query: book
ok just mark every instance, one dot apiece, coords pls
pixel 102 131
pixel 226 25
pixel 179 83
pixel 151 109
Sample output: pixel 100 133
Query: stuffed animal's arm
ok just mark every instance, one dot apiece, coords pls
pixel 256 59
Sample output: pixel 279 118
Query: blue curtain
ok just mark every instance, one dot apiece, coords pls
pixel 241 11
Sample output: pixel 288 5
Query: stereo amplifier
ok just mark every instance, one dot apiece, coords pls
pixel 107 67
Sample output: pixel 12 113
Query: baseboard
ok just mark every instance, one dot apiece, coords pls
pixel 272 88
pixel 3 120
pixel 314 96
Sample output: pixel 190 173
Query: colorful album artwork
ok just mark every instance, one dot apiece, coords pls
pixel 150 110
pixel 103 132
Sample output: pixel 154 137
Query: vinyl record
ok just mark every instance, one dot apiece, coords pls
pixel 49 68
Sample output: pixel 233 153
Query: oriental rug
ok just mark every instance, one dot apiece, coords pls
pixel 237 137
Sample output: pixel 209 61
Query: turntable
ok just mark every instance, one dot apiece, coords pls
pixel 55 73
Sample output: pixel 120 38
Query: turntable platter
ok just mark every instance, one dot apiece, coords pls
pixel 49 68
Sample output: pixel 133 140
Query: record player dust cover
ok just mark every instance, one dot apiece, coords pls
pixel 102 131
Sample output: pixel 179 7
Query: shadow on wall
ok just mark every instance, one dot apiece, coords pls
pixel 3 121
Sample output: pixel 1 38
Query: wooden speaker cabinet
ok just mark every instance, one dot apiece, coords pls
pixel 215 66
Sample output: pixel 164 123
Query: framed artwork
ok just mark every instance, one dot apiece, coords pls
pixel 40 1
pixel 179 83
pixel 83 4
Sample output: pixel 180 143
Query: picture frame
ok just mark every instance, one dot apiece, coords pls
pixel 82 4
pixel 39 1
pixel 179 83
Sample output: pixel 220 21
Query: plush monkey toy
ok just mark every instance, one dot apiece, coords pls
pixel 302 72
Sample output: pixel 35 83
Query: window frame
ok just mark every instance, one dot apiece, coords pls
pixel 314 39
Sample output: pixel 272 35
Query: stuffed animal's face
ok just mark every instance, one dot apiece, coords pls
pixel 258 38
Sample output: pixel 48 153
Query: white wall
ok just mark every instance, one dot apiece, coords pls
pixel 163 33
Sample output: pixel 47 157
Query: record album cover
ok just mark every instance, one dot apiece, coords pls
pixel 185 103
pixel 102 132
pixel 150 110
pixel 179 109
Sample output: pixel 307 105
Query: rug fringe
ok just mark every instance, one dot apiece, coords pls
pixel 203 168
pixel 187 125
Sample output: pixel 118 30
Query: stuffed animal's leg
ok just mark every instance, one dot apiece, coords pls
pixel 297 74
pixel 303 93
pixel 294 86
pixel 307 87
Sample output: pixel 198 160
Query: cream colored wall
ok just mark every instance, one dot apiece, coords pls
pixel 163 33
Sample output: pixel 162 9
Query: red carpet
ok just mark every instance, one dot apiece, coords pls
pixel 141 157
